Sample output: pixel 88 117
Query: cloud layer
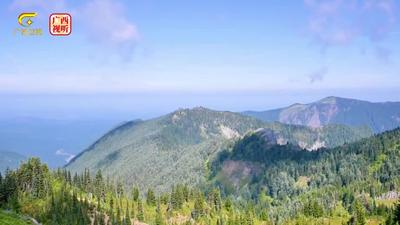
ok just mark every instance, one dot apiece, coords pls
pixel 340 22
pixel 109 27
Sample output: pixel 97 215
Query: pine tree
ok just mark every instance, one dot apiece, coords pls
pixel 140 212
pixel 397 213
pixel 228 204
pixel 135 194
pixel 358 217
pixel 120 190
pixel 313 209
pixel 198 206
pixel 99 185
pixel 151 198
pixel 118 219
pixel 185 192
pixel 214 199
pixel 264 215
pixel 248 219
pixel 159 217
pixel 14 203
pixel 127 215
pixel 133 214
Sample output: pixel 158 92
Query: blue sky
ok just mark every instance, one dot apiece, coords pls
pixel 132 59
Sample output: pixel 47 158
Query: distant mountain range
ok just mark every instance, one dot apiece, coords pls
pixel 10 160
pixel 178 147
pixel 334 110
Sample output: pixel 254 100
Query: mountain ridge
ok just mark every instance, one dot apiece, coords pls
pixel 379 116
pixel 175 148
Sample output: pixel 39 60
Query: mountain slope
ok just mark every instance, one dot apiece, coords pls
pixel 175 148
pixel 333 110
pixel 10 160
pixel 254 165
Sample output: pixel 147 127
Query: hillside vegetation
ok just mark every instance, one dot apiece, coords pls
pixel 289 177
pixel 355 184
pixel 176 148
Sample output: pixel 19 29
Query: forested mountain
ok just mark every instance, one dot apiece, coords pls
pixel 334 110
pixel 176 148
pixel 254 167
pixel 10 160
pixel 355 184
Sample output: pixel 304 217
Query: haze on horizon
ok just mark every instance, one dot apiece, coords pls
pixel 141 59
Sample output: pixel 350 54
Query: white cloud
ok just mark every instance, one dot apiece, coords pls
pixel 340 22
pixel 109 27
pixel 68 156
pixel 105 23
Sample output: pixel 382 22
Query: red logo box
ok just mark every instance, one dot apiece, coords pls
pixel 60 24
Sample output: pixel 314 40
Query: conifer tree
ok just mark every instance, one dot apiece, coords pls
pixel 118 217
pixel 120 190
pixel 228 204
pixel 140 212
pixel 397 213
pixel 135 194
pixel 151 198
pixel 127 217
pixel 99 185
pixel 133 214
pixel 358 217
pixel 159 220
pixel 198 210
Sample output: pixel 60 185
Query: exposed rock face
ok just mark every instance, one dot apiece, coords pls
pixel 176 147
pixel 313 115
pixel 228 133
pixel 312 139
pixel 333 110
pixel 391 195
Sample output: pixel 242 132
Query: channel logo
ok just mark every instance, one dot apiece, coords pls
pixel 60 24
pixel 25 20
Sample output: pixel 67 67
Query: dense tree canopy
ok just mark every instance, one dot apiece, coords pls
pixel 291 186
